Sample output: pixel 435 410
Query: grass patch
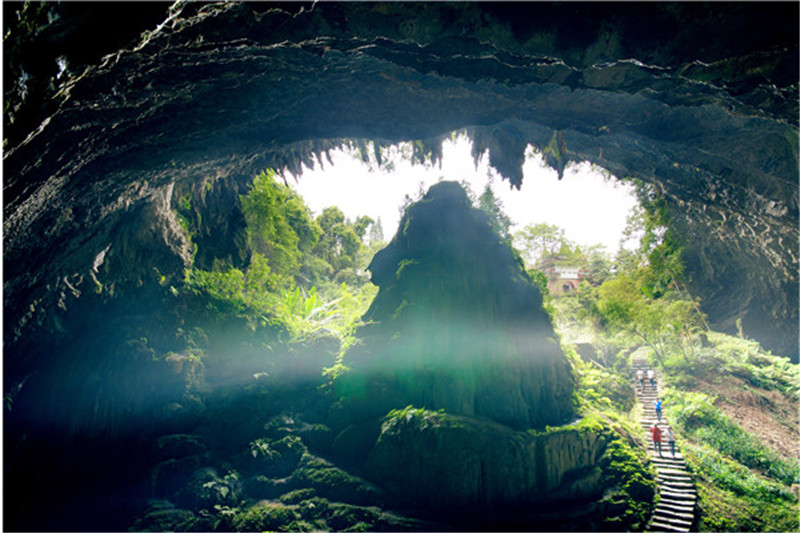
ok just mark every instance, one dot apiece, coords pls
pixel 696 417
pixel 732 498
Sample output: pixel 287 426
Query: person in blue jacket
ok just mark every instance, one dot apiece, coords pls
pixel 657 405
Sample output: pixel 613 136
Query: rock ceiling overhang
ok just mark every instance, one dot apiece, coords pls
pixel 224 90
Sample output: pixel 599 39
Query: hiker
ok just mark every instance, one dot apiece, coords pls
pixel 640 377
pixel 657 405
pixel 652 377
pixel 670 438
pixel 655 433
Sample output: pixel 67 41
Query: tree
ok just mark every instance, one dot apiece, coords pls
pixel 376 232
pixel 623 305
pixel 279 226
pixel 648 298
pixel 596 264
pixel 493 208
pixel 539 241
pixel 340 243
pixel 361 224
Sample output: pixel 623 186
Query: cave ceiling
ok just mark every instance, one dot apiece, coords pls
pixel 699 100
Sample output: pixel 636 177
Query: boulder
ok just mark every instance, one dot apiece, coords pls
pixel 438 460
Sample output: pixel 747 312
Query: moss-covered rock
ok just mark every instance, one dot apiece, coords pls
pixel 468 465
pixel 179 445
pixel 208 489
pixel 277 458
pixel 332 482
pixel 266 516
pixel 441 460
pixel 167 477
pixel 458 325
pixel 161 515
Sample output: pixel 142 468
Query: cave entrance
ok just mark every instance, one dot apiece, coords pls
pixel 589 206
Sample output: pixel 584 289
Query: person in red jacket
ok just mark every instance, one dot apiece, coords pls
pixel 655 433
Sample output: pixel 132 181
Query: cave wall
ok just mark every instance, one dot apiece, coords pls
pixel 697 99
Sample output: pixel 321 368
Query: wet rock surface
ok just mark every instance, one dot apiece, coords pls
pixel 699 100
pixel 224 90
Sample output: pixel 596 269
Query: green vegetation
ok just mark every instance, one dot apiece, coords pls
pixel 743 483
pixel 606 400
pixel 267 516
pixel 305 276
pixel 695 414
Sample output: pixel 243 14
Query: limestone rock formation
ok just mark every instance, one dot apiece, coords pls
pixel 451 462
pixel 699 100
pixel 457 324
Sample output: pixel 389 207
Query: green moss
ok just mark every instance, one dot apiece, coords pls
pixel 265 516
pixel 297 496
pixel 633 483
pixel 344 517
pixel 417 416
pixel 314 509
pixel 162 516
pixel 331 482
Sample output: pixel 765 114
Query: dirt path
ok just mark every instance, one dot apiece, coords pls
pixel 675 510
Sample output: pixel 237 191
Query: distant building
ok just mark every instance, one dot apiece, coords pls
pixel 562 279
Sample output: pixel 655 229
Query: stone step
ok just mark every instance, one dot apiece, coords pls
pixel 678 497
pixel 686 499
pixel 675 515
pixel 663 526
pixel 675 510
pixel 668 467
pixel 665 460
pixel 680 522
pixel 666 454
pixel 674 478
pixel 677 494
pixel 682 483
pixel 676 484
pixel 686 525
pixel 668 462
pixel 670 493
pixel 678 490
pixel 679 478
pixel 686 513
pixel 678 507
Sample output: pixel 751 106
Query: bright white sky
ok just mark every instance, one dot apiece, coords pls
pixel 591 208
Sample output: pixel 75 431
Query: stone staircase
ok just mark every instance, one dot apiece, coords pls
pixel 675 510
